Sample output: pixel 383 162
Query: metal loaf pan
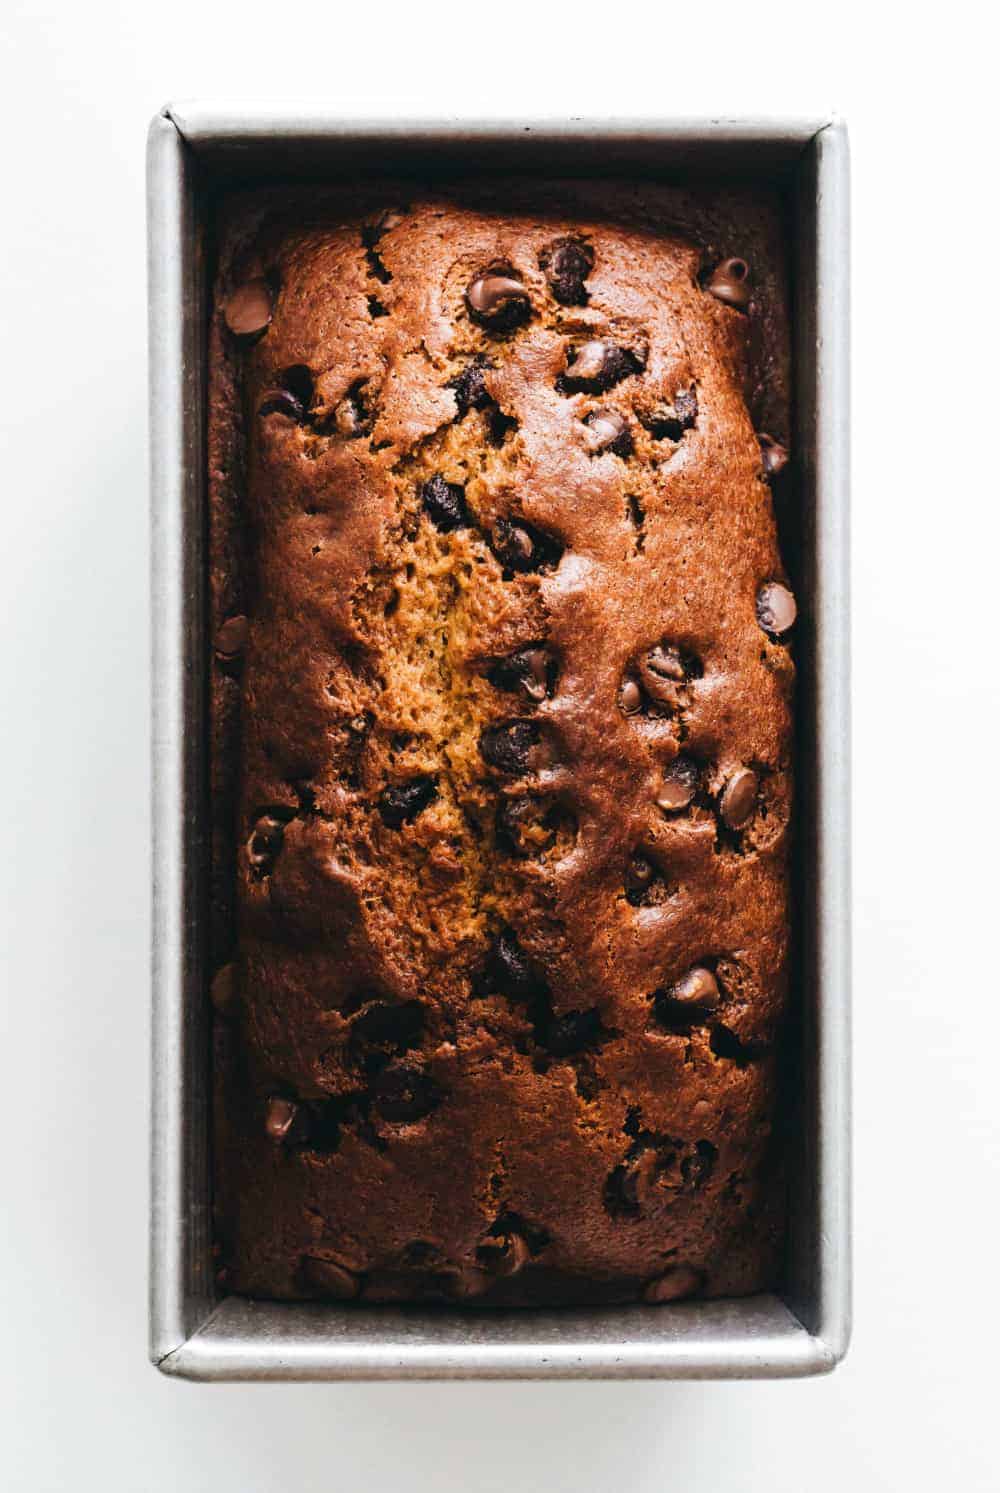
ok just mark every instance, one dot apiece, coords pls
pixel 194 1334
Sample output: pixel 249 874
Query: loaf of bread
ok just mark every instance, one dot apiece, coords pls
pixel 501 742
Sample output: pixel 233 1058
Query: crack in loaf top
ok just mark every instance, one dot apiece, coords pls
pixel 510 635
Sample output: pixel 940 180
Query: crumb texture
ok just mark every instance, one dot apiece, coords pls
pixel 501 743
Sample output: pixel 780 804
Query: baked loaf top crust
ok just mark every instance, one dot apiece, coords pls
pixel 501 761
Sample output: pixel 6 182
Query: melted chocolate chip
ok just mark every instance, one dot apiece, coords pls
pixel 508 971
pixel 284 1120
pixel 445 502
pixel 729 282
pixel 282 402
pixel 630 697
pixel 669 424
pixel 678 1281
pixel 698 989
pixel 400 804
pixel 503 1254
pixel 497 300
pixel 661 670
pixel 680 783
pixel 776 609
pixel 231 638
pixel 328 1278
pixel 739 797
pixel 773 456
pixel 513 747
pixel 248 310
pixel 688 1001
pixel 567 262
pixel 265 843
pixel 530 670
pixel 530 825
pixel 470 386
pixel 520 548
pixel 597 365
pixel 403 1094
pixel 349 418
pixel 608 431
pixel 640 875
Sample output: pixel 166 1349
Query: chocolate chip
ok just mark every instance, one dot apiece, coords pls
pixel 640 874
pixel 497 300
pixel 608 431
pixel 687 1001
pixel 661 670
pixel 730 282
pixel 513 545
pixel 529 825
pixel 283 1119
pixel 445 502
pixel 400 803
pixel 572 1032
pixel 773 455
pixel 630 697
pixel 231 638
pixel 530 670
pixel 597 365
pixel 503 1254
pixel 376 308
pixel 680 783
pixel 508 971
pixel 405 1094
pixel 520 548
pixel 513 747
pixel 223 989
pixel 248 310
pixel 698 988
pixel 265 843
pixel 739 797
pixel 282 402
pixel 567 262
pixel 328 1278
pixel 348 418
pixel 668 423
pixel 776 609
pixel 470 386
pixel 678 1281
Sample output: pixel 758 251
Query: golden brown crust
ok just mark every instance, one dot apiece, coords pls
pixel 501 587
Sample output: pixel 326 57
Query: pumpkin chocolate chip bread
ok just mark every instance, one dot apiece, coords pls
pixel 501 743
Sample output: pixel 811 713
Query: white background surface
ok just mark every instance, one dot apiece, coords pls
pixel 913 1407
